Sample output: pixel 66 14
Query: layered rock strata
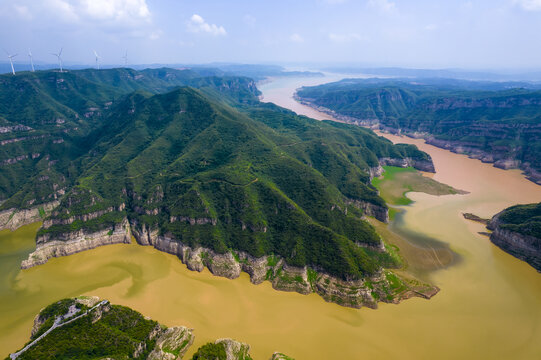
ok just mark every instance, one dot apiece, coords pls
pixel 524 247
pixel 354 293
pixel 14 218
pixel 500 160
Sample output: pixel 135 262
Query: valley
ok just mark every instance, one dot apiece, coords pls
pixel 475 289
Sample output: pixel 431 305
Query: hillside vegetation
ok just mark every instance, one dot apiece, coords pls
pixel 496 122
pixel 206 165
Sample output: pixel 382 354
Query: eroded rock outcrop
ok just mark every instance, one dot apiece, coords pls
pixel 172 343
pixel 384 286
pixel 70 243
pixel 13 218
pixel 522 246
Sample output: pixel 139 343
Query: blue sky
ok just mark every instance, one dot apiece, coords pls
pixel 430 34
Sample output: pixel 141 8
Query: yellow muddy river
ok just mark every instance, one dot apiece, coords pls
pixel 489 306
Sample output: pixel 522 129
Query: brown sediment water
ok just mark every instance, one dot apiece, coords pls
pixel 489 306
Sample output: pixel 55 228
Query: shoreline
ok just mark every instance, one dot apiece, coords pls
pixel 384 286
pixel 452 146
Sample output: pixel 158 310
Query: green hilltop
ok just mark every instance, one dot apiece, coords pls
pixel 197 159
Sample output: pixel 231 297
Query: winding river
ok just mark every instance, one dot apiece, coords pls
pixel 489 306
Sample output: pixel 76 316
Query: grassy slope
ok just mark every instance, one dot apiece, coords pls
pixel 396 182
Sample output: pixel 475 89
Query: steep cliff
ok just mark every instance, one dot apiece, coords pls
pixel 14 218
pixel 517 230
pixel 487 121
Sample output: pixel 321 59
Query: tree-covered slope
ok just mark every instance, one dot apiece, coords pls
pixel 258 180
pixel 491 121
pixel 46 119
pixel 517 230
pixel 86 328
pixel 203 166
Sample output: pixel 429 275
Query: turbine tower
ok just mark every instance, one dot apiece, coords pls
pixel 59 56
pixel 31 60
pixel 10 57
pixel 125 57
pixel 97 59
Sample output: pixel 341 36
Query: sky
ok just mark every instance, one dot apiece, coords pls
pixel 484 34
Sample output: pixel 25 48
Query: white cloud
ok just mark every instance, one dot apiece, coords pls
pixel 382 5
pixel 117 13
pixel 344 38
pixel 197 24
pixel 118 10
pixel 529 5
pixel 296 38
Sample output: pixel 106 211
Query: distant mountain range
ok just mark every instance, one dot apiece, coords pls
pixel 496 122
pixel 254 71
pixel 463 74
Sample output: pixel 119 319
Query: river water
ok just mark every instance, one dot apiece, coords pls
pixel 489 306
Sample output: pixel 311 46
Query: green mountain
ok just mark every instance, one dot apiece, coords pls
pixel 261 188
pixel 490 121
pixel 206 172
pixel 46 119
pixel 87 328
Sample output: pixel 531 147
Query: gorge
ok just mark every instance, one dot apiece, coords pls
pixel 470 303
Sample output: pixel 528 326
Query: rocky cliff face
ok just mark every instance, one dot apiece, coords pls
pixel 379 212
pixel 71 243
pixel 524 247
pixel 358 293
pixel 427 166
pixel 502 156
pixel 172 343
pixel 355 293
pixel 234 350
pixel 13 219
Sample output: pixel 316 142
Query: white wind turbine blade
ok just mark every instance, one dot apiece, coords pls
pixel 31 60
pixel 10 57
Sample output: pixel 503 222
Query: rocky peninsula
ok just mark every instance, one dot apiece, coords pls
pixel 517 230
pixel 74 328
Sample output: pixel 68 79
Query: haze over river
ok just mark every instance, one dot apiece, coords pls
pixel 489 305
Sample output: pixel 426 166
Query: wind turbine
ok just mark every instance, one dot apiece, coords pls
pixel 59 56
pixel 31 59
pixel 125 57
pixel 97 59
pixel 10 57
